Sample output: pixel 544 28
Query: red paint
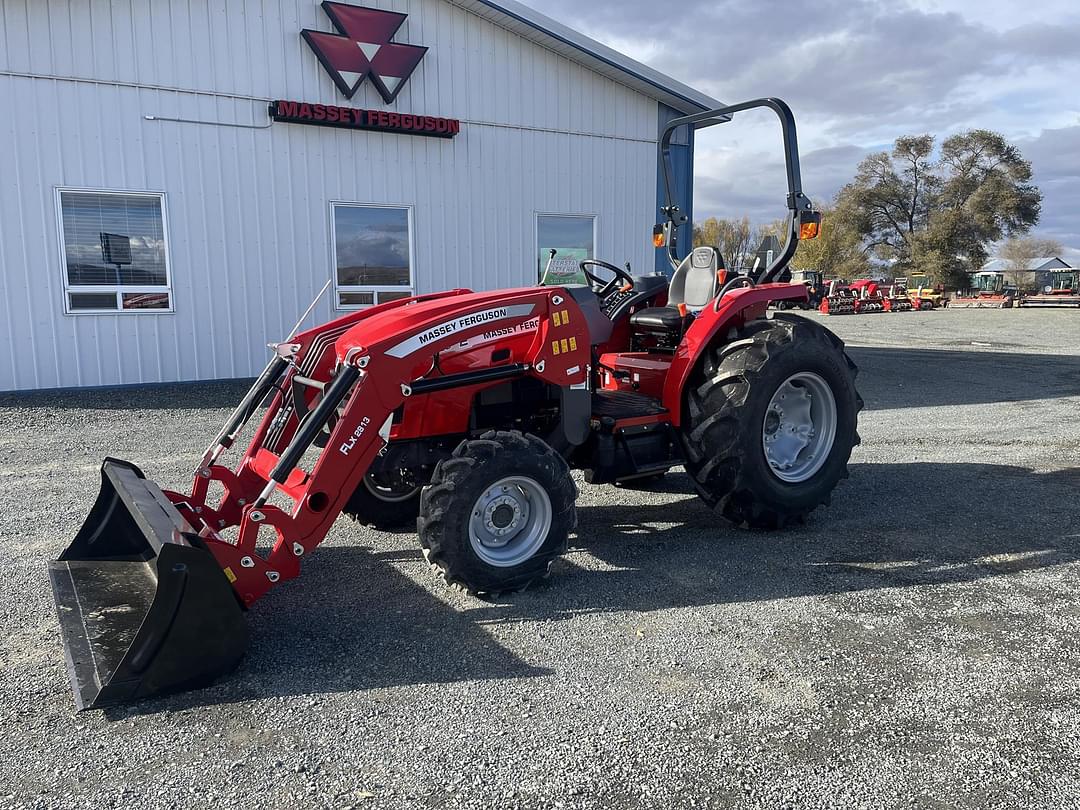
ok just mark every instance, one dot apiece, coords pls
pixel 376 333
pixel 648 372
pixel 394 345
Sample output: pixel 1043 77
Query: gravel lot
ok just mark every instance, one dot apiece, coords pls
pixel 918 643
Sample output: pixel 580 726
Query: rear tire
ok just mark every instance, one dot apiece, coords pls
pixel 733 402
pixel 497 513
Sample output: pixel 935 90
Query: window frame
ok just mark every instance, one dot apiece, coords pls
pixel 536 232
pixel 117 289
pixel 375 289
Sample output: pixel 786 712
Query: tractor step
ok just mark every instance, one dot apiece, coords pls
pixel 634 438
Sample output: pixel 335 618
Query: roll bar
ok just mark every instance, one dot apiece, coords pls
pixel 800 208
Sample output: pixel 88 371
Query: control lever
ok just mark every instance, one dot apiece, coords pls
pixel 619 374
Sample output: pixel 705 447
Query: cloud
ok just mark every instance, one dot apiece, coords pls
pixel 1055 162
pixel 383 246
pixel 858 74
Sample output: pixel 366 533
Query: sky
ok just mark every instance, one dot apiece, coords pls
pixel 858 74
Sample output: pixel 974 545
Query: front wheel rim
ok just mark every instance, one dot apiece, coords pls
pixel 510 521
pixel 799 427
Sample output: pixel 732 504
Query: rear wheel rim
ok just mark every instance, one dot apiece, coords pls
pixel 510 521
pixel 799 427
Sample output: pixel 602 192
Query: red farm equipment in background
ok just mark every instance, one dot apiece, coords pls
pixel 1062 291
pixel 839 299
pixel 868 297
pixel 986 290
pixel 896 298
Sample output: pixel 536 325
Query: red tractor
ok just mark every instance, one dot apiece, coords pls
pixel 464 413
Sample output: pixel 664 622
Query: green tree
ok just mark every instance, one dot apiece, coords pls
pixel 707 232
pixel 939 214
pixel 839 251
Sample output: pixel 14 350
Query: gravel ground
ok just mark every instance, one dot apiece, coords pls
pixel 914 644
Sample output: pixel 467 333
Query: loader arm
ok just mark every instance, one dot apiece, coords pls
pixel 363 371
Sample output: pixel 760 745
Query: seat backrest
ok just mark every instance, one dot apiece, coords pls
pixel 694 281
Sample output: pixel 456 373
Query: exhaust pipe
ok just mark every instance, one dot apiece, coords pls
pixel 144 608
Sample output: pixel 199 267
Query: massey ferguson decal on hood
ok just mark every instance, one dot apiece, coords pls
pixel 363 48
pixel 418 341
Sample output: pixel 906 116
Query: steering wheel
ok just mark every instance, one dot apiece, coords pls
pixel 600 287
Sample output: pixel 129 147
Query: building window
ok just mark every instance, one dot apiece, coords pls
pixel 113 251
pixel 372 247
pixel 573 236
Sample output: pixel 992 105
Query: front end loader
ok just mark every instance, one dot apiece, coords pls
pixel 463 413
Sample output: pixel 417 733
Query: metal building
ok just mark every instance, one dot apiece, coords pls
pixel 179 178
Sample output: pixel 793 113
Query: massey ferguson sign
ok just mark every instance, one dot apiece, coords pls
pixel 331 115
pixel 363 49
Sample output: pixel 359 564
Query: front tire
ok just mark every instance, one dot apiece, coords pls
pixel 771 422
pixel 497 513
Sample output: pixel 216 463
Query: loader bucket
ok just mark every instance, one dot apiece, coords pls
pixel 144 609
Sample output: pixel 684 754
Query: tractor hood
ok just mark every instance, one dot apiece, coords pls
pixel 402 328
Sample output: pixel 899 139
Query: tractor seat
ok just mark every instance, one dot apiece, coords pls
pixel 658 319
pixel 693 284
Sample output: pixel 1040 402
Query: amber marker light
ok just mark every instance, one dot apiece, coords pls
pixel 810 230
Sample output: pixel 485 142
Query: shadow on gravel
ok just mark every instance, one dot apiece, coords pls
pixel 915 378
pixel 354 622
pixel 351 622
pixel 890 526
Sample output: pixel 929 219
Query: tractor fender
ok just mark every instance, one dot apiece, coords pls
pixel 715 323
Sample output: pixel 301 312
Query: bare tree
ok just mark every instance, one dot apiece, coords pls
pixel 1020 252
pixel 734 238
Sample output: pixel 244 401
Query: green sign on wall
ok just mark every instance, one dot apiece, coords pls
pixel 564 268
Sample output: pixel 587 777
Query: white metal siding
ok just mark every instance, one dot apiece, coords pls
pixel 248 209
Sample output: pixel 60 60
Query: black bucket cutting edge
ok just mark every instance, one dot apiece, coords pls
pixel 144 609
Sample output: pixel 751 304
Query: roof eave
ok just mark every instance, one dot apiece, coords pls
pixel 555 36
